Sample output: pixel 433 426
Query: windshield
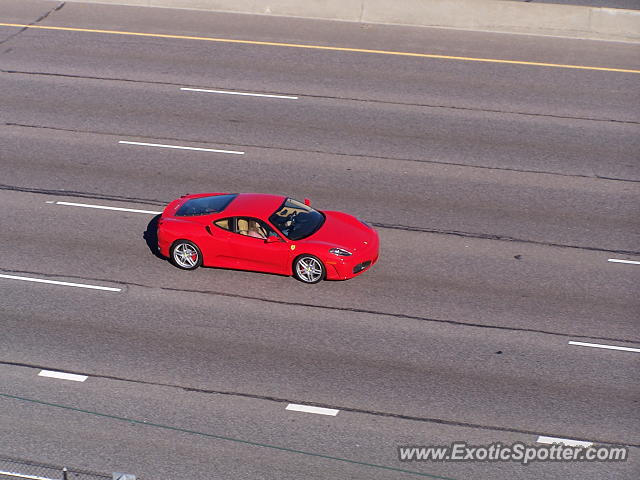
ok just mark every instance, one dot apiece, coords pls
pixel 296 220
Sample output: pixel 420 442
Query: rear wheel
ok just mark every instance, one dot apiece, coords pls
pixel 186 255
pixel 308 269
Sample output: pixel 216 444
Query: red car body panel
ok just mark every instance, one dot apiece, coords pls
pixel 226 249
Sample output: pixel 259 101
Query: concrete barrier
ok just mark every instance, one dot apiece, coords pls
pixel 485 15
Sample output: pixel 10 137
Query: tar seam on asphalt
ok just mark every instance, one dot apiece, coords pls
pixel 435 231
pixel 37 20
pixel 503 238
pixel 222 437
pixel 127 285
pixel 337 154
pixel 362 411
pixel 75 193
pixel 329 97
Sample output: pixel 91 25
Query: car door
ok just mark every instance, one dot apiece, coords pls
pixel 215 245
pixel 249 246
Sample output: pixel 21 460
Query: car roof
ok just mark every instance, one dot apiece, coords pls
pixel 260 205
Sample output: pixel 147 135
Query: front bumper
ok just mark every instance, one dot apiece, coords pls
pixel 343 268
pixel 362 266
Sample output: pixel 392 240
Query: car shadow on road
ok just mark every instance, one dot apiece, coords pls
pixel 151 236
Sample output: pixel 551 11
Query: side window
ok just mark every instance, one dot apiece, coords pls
pixel 252 227
pixel 225 223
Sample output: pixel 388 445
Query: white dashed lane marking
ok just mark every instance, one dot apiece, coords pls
pixel 309 409
pixel 608 347
pixel 21 475
pixel 180 147
pixel 64 284
pixel 615 260
pixel 247 94
pixel 564 441
pixel 103 207
pixel 62 376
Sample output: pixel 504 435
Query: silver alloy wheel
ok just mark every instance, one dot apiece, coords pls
pixel 309 269
pixel 185 255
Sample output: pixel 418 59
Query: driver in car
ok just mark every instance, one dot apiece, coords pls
pixel 255 230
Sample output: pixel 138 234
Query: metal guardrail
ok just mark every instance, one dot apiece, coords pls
pixel 16 468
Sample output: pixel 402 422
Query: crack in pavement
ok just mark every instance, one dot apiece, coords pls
pixel 330 97
pixel 363 411
pixel 337 154
pixel 36 21
pixel 409 228
pixel 126 285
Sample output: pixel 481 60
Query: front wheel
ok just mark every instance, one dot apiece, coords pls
pixel 186 255
pixel 308 269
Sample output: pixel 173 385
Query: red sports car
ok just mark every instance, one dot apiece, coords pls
pixel 266 233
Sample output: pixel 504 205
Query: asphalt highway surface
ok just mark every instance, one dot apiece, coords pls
pixel 506 197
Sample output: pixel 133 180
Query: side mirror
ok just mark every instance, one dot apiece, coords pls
pixel 272 239
pixel 307 202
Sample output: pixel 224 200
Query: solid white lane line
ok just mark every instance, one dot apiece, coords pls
pixel 65 284
pixel 564 441
pixel 309 409
pixel 238 93
pixel 62 375
pixel 20 475
pixel 615 260
pixel 180 147
pixel 608 347
pixel 103 207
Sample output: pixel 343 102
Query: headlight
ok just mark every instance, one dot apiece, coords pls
pixel 341 252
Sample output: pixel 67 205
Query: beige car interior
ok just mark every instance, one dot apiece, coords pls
pixel 223 223
pixel 286 211
pixel 250 228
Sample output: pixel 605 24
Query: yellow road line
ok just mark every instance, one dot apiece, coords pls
pixel 323 47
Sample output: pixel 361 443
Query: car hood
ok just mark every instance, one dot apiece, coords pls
pixel 345 231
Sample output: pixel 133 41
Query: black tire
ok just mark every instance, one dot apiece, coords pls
pixel 182 253
pixel 308 269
